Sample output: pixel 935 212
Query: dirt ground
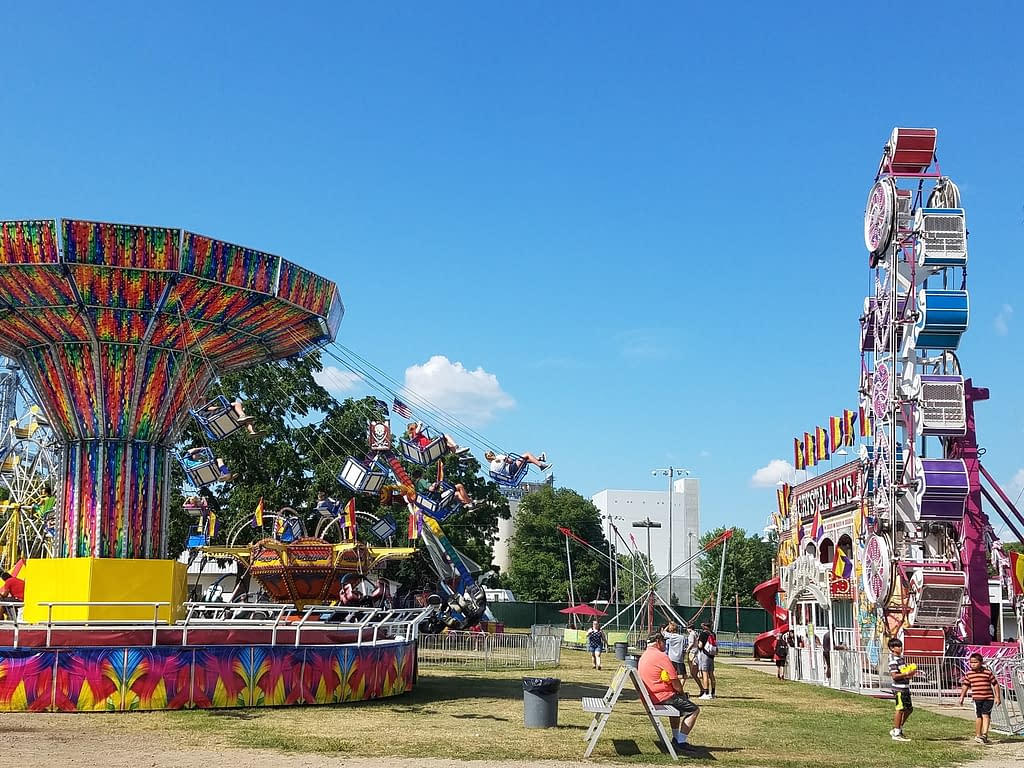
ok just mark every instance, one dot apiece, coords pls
pixel 46 741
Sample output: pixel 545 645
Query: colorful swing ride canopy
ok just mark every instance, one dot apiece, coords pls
pixel 120 329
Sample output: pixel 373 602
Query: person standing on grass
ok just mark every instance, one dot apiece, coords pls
pixel 675 647
pixel 691 658
pixel 659 677
pixel 984 689
pixel 781 654
pixel 597 641
pixel 707 649
pixel 901 675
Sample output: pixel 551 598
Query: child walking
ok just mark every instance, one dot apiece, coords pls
pixel 984 689
pixel 597 641
pixel 901 674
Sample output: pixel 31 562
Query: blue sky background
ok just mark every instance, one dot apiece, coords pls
pixel 627 236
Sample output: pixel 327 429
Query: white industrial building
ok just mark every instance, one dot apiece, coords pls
pixel 623 508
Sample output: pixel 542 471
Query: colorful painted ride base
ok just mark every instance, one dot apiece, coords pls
pixel 221 666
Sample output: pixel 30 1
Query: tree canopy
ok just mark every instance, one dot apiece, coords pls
pixel 305 437
pixel 538 569
pixel 748 562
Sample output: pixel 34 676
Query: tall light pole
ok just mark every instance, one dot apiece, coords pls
pixel 672 473
pixel 648 524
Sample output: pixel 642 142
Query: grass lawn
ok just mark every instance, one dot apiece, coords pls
pixel 757 720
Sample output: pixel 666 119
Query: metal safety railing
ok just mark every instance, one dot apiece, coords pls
pixel 487 651
pixel 369 625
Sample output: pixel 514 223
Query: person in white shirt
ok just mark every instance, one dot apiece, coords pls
pixel 675 647
pixel 500 461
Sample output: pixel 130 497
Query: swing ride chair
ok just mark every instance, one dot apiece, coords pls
pixel 217 418
pixel 513 471
pixel 430 453
pixel 363 477
pixel 200 468
pixel 440 504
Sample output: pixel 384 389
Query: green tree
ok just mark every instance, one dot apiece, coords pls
pixel 306 437
pixel 538 569
pixel 748 562
pixel 636 574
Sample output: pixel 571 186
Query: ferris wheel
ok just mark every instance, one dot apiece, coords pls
pixel 913 391
pixel 28 474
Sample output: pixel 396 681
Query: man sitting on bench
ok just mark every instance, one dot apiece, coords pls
pixel 659 676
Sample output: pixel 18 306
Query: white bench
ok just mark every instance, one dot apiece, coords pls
pixel 601 709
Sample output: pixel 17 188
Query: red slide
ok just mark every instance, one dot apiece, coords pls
pixel 764 593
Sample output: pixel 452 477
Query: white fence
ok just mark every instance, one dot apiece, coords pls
pixel 486 651
pixel 938 679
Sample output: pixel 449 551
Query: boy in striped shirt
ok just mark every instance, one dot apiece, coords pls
pixel 984 690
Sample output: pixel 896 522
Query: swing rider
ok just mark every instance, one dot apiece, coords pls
pixel 662 682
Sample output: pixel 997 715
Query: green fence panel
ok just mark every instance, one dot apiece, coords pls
pixel 752 620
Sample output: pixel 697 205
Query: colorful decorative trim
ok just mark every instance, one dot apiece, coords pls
pixel 164 678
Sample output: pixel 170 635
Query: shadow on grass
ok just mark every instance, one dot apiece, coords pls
pixel 627 747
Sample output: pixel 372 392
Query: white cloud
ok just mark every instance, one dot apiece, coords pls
pixel 337 381
pixel 474 397
pixel 1017 484
pixel 1002 321
pixel 776 470
pixel 705 453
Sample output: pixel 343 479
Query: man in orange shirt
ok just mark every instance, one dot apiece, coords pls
pixel 658 674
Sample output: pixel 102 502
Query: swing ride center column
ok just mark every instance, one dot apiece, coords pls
pixel 121 329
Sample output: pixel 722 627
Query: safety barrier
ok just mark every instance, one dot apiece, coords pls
pixel 938 679
pixel 486 651
pixel 282 623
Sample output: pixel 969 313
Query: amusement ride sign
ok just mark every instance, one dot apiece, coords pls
pixel 834 490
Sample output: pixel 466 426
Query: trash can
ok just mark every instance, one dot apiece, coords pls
pixel 632 661
pixel 621 649
pixel 540 702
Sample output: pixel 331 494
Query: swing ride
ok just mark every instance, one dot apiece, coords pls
pixel 896 542
pixel 120 330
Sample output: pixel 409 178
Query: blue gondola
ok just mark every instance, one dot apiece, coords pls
pixel 200 467
pixel 217 418
pixel 361 477
pixel 439 504
pixel 943 320
pixel 512 471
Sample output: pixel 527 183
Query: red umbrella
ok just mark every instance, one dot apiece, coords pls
pixel 583 610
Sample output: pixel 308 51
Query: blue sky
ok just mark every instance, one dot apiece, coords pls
pixel 629 236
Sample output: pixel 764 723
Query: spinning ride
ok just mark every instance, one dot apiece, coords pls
pixel 117 328
pixel 925 544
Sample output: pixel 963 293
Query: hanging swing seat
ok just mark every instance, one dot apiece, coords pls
pixel 512 471
pixel 196 538
pixel 217 418
pixel 439 504
pixel 200 467
pixel 426 454
pixel 362 478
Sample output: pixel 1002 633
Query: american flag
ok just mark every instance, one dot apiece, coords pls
pixel 401 409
